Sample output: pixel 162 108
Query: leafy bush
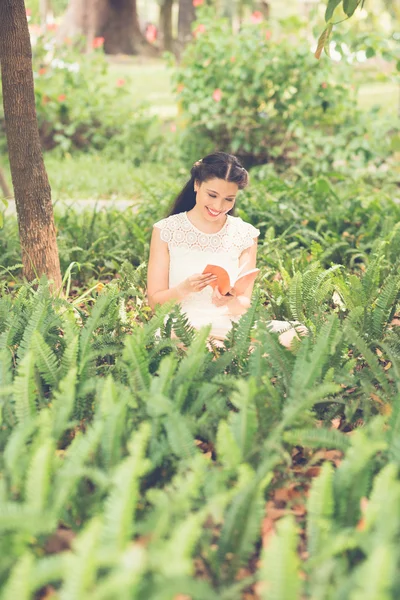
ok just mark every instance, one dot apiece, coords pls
pixel 78 107
pixel 267 98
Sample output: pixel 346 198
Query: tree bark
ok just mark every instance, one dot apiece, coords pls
pixel 187 14
pixel 115 20
pixel 31 186
pixel 166 25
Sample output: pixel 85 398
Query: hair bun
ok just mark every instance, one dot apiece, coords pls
pixel 197 163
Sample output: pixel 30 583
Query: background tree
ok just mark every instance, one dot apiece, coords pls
pixel 187 14
pixel 31 186
pixel 166 28
pixel 117 21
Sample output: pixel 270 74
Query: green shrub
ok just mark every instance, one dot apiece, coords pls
pixel 80 108
pixel 263 96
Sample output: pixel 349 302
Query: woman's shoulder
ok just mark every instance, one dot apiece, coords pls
pixel 239 227
pixel 170 222
pixel 173 227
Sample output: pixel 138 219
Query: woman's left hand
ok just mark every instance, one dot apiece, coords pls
pixel 218 299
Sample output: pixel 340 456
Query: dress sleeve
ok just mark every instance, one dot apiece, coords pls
pixel 249 232
pixel 166 229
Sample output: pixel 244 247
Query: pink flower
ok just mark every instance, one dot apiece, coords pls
pixel 268 34
pixel 98 42
pixel 42 71
pixel 120 82
pixel 62 98
pixel 324 85
pixel 199 29
pixel 180 88
pixel 28 12
pixel 151 33
pixel 256 17
pixel 173 127
pixel 52 26
pixel 217 95
pixel 197 3
pixel 233 59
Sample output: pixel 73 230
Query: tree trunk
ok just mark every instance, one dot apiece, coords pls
pixel 265 8
pixel 31 186
pixel 115 20
pixel 166 25
pixel 187 15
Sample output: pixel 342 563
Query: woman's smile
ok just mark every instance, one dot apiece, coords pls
pixel 212 212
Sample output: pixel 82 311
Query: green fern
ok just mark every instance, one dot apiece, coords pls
pixel 81 565
pixel 38 477
pixel 180 437
pixel 19 582
pixel 45 360
pixel 320 510
pixel 317 438
pixel 296 297
pixel 121 503
pixel 385 305
pixel 24 389
pixel 279 573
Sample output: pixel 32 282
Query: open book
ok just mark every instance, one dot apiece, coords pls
pixel 234 285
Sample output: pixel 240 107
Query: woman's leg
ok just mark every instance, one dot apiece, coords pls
pixel 288 331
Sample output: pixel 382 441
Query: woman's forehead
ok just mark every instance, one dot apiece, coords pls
pixel 222 187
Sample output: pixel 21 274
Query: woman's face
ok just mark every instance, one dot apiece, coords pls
pixel 214 198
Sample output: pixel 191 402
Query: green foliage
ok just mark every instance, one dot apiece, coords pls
pixel 76 104
pixel 262 99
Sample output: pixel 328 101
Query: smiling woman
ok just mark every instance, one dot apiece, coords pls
pixel 201 230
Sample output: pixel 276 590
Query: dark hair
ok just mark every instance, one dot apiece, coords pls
pixel 218 165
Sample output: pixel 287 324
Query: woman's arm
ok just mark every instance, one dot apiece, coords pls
pixel 158 272
pixel 239 304
pixel 158 291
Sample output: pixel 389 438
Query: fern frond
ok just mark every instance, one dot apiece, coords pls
pixel 121 503
pixel 385 305
pixel 19 582
pixel 34 323
pixel 38 476
pixel 24 389
pixel 317 438
pixel 279 571
pixel 296 297
pixel 355 339
pixel 228 452
pixel 180 438
pixel 320 509
pixel 45 360
pixel 81 565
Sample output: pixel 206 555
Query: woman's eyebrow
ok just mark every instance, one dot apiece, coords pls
pixel 214 192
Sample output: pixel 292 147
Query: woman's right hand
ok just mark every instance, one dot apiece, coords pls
pixel 194 283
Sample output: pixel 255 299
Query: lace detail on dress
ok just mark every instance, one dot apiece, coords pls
pixel 177 230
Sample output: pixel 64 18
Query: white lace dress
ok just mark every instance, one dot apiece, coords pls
pixel 190 250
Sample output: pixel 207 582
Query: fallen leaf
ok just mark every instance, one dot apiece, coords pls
pixel 59 541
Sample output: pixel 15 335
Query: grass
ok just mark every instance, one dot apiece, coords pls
pixel 383 94
pixel 149 81
pixel 85 176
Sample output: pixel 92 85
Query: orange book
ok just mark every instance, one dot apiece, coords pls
pixel 227 285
